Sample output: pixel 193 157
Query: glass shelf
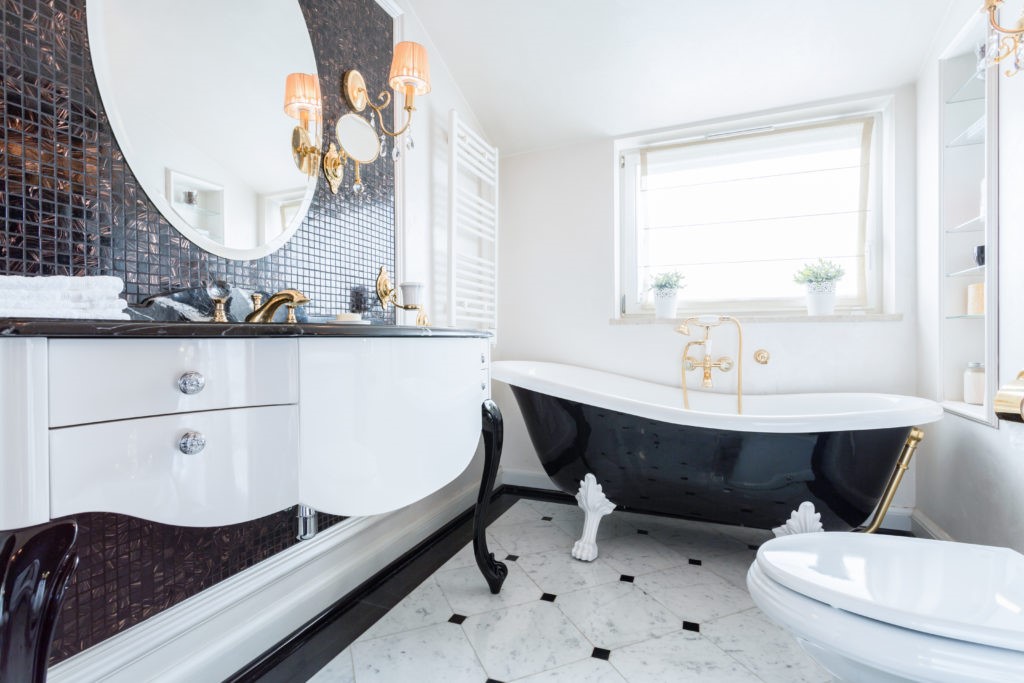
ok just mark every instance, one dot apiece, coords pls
pixel 976 224
pixel 966 316
pixel 971 90
pixel 195 208
pixel 968 272
pixel 968 410
pixel 974 135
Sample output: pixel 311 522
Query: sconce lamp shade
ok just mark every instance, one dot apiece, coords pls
pixel 301 95
pixel 410 69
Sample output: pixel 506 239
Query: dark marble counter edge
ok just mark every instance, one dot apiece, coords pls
pixel 45 327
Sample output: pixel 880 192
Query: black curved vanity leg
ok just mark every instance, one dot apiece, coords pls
pixel 494 572
pixel 36 565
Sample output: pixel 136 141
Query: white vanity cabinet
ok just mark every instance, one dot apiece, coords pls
pixel 209 432
pixel 386 422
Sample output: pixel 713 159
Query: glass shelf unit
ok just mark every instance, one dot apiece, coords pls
pixel 971 89
pixel 968 219
pixel 974 134
pixel 976 224
pixel 973 271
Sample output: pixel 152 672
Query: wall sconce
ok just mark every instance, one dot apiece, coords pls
pixel 1006 43
pixel 411 292
pixel 302 101
pixel 410 75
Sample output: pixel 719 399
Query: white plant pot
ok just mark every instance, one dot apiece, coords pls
pixel 821 298
pixel 665 303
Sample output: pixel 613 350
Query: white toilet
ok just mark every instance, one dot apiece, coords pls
pixel 873 609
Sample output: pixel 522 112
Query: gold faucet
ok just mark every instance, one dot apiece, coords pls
pixel 264 312
pixel 706 363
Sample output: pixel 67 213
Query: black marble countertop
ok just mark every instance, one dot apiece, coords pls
pixel 46 327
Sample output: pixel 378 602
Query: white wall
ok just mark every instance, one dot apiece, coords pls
pixel 970 476
pixel 557 293
pixel 422 214
pixel 423 221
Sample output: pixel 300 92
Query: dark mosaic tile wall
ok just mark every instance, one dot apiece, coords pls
pixel 71 206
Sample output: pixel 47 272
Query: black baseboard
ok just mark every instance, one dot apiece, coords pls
pixel 307 650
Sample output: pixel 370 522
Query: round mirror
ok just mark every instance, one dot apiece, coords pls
pixel 195 94
pixel 357 138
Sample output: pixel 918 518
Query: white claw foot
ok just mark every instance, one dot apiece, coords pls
pixel 595 505
pixel 804 520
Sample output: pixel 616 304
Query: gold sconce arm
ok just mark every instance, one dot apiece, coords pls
pixel 1008 41
pixel 992 7
pixel 385 99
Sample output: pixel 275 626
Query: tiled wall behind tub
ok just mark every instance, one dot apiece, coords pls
pixel 71 206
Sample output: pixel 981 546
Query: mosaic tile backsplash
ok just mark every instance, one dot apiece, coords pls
pixel 71 206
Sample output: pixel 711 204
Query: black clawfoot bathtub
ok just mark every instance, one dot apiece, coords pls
pixel 708 463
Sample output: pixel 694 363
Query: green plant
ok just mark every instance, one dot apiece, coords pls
pixel 669 280
pixel 822 271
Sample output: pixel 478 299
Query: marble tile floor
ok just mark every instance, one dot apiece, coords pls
pixel 665 601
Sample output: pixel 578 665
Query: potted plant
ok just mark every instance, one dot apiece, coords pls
pixel 666 288
pixel 820 278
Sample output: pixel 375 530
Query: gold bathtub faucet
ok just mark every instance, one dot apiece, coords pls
pixel 706 363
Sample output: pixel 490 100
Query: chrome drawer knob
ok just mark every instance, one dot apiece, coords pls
pixel 191 383
pixel 191 443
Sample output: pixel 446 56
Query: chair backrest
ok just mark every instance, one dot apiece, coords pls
pixel 36 565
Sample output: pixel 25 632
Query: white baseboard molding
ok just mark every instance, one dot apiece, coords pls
pixel 213 634
pixel 529 478
pixel 898 518
pixel 924 526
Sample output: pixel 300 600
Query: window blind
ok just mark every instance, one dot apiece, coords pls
pixel 740 215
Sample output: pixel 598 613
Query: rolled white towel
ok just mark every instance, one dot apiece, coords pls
pixel 110 313
pixel 58 283
pixel 30 305
pixel 46 296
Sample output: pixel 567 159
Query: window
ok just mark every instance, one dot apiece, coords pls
pixel 739 213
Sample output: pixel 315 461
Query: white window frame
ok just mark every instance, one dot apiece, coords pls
pixel 631 303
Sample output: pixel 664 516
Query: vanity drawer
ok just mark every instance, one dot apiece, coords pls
pixel 96 380
pixel 140 468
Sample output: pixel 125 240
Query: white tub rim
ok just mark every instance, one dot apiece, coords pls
pixel 888 411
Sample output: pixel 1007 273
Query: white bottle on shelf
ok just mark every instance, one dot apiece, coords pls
pixel 974 383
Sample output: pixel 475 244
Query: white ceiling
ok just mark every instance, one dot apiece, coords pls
pixel 543 73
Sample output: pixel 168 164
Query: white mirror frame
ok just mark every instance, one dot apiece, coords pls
pixel 95 10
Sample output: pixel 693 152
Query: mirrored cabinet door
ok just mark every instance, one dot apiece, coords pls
pixel 968 225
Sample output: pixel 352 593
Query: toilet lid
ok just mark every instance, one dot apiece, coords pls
pixel 968 592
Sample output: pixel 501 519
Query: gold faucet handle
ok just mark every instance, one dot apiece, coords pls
pixel 219 312
pixel 762 356
pixel 257 300
pixel 291 319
